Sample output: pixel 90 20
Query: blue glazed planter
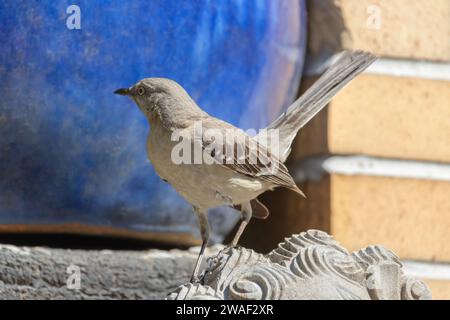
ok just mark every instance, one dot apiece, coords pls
pixel 73 152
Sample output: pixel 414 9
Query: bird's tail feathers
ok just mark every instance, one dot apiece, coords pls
pixel 348 65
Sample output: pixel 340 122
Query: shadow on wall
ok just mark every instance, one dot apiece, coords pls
pixel 331 23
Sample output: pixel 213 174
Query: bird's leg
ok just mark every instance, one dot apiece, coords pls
pixel 246 212
pixel 204 230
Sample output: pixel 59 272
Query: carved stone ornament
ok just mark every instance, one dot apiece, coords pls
pixel 309 265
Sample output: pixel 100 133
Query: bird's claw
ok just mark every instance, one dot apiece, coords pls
pixel 194 279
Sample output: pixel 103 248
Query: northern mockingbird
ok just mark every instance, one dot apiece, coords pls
pixel 233 179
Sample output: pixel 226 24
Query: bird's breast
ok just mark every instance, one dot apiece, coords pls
pixel 202 185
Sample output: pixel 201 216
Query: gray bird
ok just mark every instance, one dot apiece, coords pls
pixel 236 183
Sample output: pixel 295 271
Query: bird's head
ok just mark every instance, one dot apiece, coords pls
pixel 160 98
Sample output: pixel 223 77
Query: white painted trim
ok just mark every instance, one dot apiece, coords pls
pixel 427 270
pixel 412 69
pixel 393 67
pixel 314 168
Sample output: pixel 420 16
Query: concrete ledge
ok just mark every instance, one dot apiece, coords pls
pixel 42 273
pixel 314 168
pixel 435 275
pixel 391 67
pixel 427 270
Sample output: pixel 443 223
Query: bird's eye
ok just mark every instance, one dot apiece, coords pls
pixel 141 91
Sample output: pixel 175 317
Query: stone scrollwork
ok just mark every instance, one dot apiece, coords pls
pixel 309 265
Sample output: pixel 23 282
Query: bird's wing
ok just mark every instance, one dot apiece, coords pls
pixel 241 153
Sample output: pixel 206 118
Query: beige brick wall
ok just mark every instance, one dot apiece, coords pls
pixel 405 215
pixel 440 289
pixel 413 29
pixel 408 216
pixel 383 115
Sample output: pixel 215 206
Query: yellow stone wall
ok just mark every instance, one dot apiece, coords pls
pixel 380 116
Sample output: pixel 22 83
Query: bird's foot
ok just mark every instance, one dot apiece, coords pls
pixel 195 279
pixel 233 245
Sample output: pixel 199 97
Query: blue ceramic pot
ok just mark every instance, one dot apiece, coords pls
pixel 73 152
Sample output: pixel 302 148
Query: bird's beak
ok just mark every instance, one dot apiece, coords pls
pixel 123 91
